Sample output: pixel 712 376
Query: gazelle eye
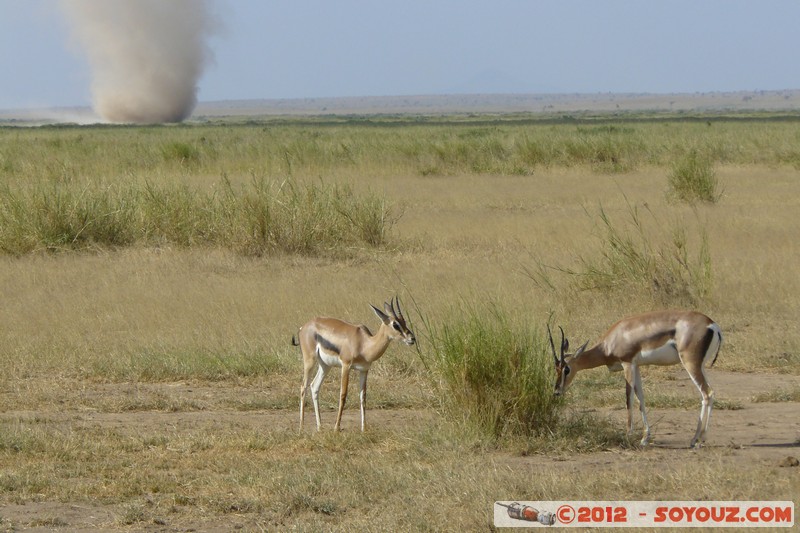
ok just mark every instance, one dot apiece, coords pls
pixel 396 326
pixel 566 370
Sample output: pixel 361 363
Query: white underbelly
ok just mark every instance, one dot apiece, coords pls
pixel 663 355
pixel 331 359
pixel 328 359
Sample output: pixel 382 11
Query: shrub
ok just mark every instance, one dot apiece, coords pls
pixel 265 217
pixel 308 219
pixel 58 217
pixel 692 179
pixel 494 376
pixel 634 256
pixel 181 152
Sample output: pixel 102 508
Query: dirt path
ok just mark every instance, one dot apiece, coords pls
pixel 760 426
pixel 758 432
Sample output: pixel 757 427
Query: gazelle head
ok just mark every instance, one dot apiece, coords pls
pixel 564 374
pixel 395 321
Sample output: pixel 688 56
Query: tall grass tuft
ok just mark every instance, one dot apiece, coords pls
pixel 632 255
pixel 308 219
pixel 265 217
pixel 495 376
pixel 59 216
pixel 180 152
pixel 692 179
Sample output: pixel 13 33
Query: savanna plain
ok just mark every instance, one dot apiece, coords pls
pixel 152 279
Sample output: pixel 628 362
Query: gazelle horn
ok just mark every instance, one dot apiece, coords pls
pixel 552 344
pixel 564 344
pixel 399 311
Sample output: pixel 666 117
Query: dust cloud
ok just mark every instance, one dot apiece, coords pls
pixel 146 56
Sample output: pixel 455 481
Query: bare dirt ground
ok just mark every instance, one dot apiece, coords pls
pixel 763 433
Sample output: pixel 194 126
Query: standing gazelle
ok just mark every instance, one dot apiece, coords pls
pixel 657 338
pixel 330 342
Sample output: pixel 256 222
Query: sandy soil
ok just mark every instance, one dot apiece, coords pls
pixel 765 433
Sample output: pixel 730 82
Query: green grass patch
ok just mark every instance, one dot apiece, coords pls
pixel 313 146
pixel 494 375
pixel 641 254
pixel 262 217
pixel 182 152
pixel 692 179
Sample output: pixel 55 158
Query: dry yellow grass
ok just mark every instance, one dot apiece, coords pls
pixel 157 387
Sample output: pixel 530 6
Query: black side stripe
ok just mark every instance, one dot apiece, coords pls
pixel 326 344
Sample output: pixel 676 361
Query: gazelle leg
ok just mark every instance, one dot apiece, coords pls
pixel 709 406
pixel 629 405
pixel 629 390
pixel 363 398
pixel 308 367
pixel 342 395
pixel 707 395
pixel 637 388
pixel 322 371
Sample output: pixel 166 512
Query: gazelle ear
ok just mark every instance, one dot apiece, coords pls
pixel 389 308
pixel 581 349
pixel 383 316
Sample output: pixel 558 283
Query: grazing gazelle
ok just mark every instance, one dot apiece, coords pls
pixel 657 338
pixel 330 342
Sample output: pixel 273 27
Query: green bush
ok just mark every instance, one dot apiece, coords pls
pixel 692 179
pixel 264 217
pixel 646 258
pixel 59 217
pixel 308 219
pixel 495 376
pixel 181 152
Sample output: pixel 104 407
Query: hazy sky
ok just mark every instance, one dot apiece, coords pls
pixel 317 48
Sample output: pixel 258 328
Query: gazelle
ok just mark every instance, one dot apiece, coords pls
pixel 330 342
pixel 657 338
